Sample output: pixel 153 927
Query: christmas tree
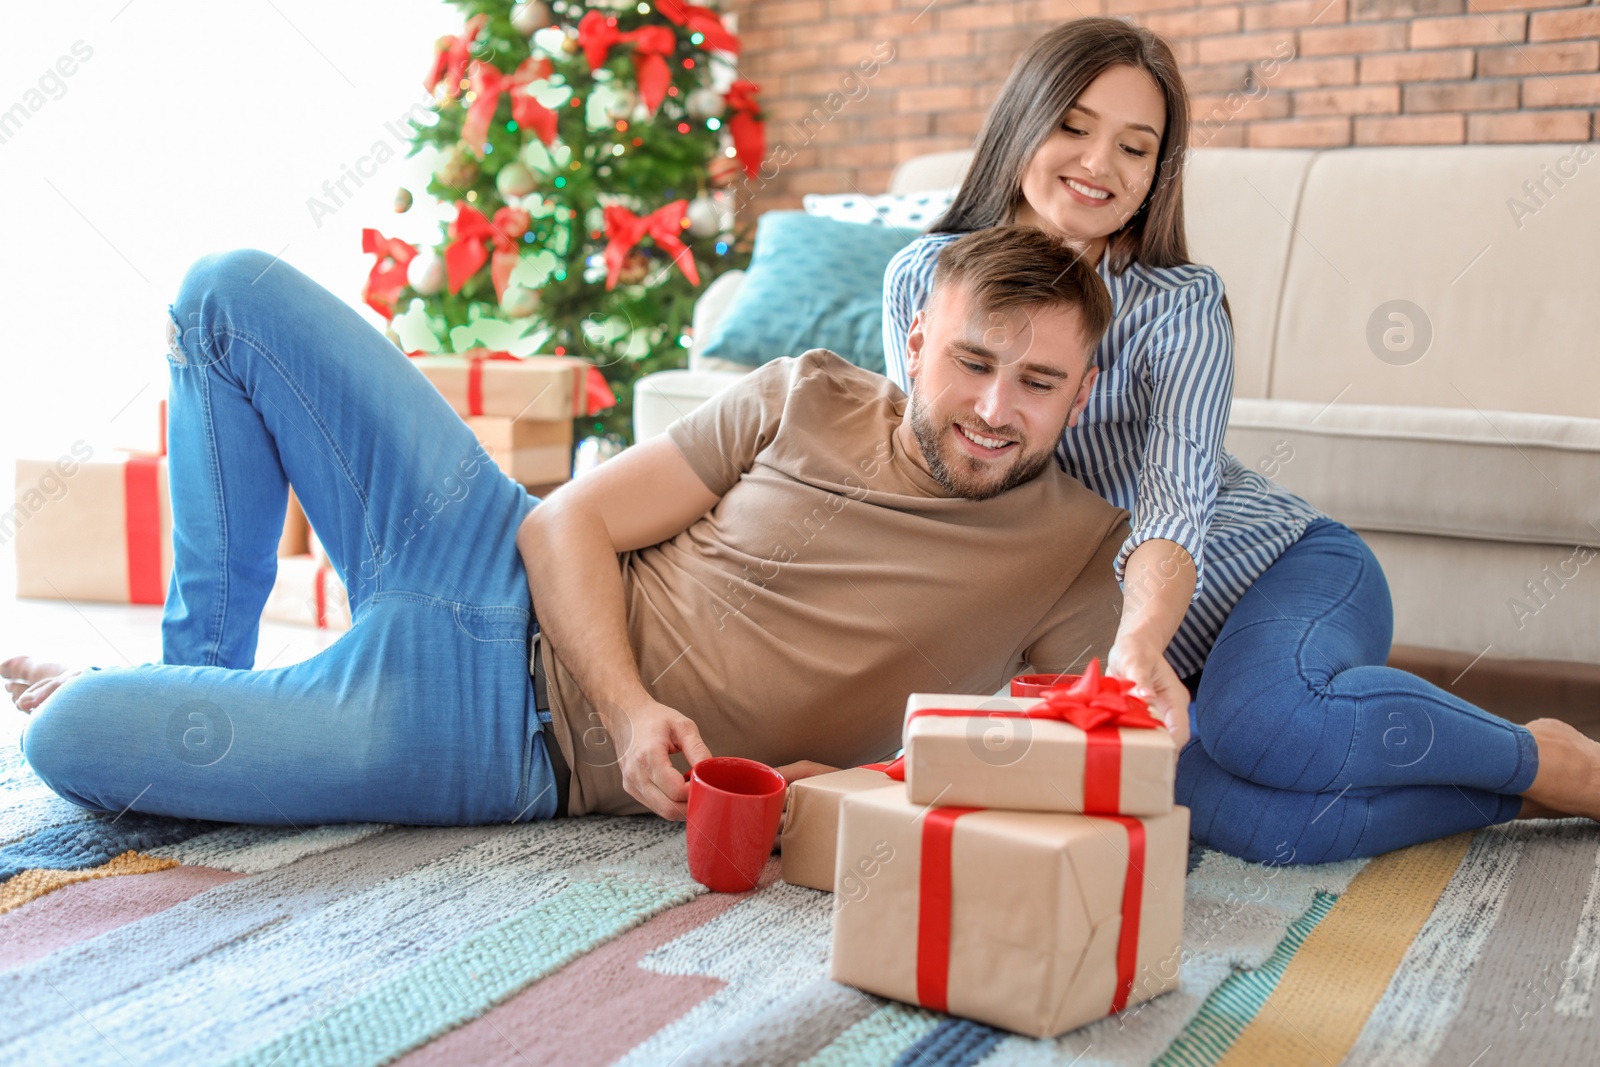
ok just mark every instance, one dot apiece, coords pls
pixel 585 152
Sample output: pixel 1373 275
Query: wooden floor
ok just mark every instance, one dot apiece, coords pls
pixel 1519 690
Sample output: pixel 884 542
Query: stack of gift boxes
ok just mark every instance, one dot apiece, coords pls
pixel 110 537
pixel 1021 865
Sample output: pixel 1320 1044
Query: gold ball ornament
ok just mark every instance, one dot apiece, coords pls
pixel 569 45
pixel 514 181
pixel 402 200
pixel 519 301
pixel 635 268
pixel 426 273
pixel 531 17
pixel 457 169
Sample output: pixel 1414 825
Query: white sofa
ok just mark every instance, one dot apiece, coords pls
pixel 1470 461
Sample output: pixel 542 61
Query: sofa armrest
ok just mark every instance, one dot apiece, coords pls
pixel 660 398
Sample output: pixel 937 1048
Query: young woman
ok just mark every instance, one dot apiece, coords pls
pixel 1305 747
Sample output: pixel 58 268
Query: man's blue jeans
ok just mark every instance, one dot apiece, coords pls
pixel 424 711
pixel 1308 749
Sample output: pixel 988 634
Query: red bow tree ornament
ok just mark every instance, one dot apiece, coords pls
pixel 702 20
pixel 749 133
pixel 1094 702
pixel 624 229
pixel 488 83
pixel 452 55
pixel 598 34
pixel 388 275
pixel 470 236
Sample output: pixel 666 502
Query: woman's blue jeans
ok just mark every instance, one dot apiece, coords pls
pixel 1308 749
pixel 424 711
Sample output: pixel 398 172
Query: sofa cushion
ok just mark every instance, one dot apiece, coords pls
pixel 812 283
pixel 1493 250
pixel 1484 475
pixel 915 211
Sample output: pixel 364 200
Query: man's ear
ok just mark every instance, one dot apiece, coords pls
pixel 914 342
pixel 1081 401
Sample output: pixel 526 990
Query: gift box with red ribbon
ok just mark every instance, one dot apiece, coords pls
pixel 308 592
pixel 532 453
pixel 531 389
pixel 1035 922
pixel 1089 746
pixel 92 530
pixel 809 839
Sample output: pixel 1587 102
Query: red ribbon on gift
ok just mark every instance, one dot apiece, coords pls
pixel 470 236
pixel 141 520
pixel 702 20
pixel 624 229
pixel 936 902
pixel 591 394
pixel 162 416
pixel 1099 706
pixel 450 62
pixel 321 596
pixel 388 274
pixel 598 33
pixel 749 133
pixel 488 83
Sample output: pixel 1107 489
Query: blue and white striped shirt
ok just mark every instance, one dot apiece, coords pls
pixel 1150 439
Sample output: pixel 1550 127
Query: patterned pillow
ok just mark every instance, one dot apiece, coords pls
pixel 812 283
pixel 916 211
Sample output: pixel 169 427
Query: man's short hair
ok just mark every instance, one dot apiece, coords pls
pixel 1004 268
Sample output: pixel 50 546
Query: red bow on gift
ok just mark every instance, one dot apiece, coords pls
pixel 470 235
pixel 749 133
pixel 624 229
pixel 1095 702
pixel 701 20
pixel 488 83
pixel 450 61
pixel 652 45
pixel 388 275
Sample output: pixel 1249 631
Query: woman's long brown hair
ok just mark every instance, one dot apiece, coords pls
pixel 1047 80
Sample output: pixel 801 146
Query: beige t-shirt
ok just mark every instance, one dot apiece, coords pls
pixel 835 577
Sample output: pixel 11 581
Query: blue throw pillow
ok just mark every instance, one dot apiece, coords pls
pixel 812 283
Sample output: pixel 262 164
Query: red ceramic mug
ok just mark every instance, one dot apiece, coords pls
pixel 1034 685
pixel 734 809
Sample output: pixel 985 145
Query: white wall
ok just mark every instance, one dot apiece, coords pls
pixel 192 127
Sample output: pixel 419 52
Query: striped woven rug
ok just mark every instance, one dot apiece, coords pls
pixel 143 940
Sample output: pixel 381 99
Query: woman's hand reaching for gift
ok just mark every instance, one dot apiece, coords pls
pixel 1154 682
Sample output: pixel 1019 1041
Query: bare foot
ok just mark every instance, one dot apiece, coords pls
pixel 1568 781
pixel 28 681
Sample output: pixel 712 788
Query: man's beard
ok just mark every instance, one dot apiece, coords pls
pixel 957 473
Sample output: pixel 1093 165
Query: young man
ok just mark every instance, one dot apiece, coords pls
pixel 770 579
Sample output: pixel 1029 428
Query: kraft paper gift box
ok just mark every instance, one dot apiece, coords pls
pixel 308 592
pixel 536 389
pixel 809 839
pixel 1035 922
pixel 1087 748
pixel 532 453
pixel 95 530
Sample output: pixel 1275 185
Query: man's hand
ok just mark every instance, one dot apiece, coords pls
pixel 1155 682
pixel 646 737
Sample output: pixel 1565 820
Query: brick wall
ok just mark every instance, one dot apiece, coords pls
pixel 852 87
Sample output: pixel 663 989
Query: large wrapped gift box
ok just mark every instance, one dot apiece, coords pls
pixel 532 453
pixel 810 835
pixel 308 592
pixel 92 529
pixel 1035 922
pixel 534 389
pixel 1088 748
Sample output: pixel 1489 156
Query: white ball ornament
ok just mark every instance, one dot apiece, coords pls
pixel 519 301
pixel 623 101
pixel 531 17
pixel 514 181
pixel 426 273
pixel 705 103
pixel 706 217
